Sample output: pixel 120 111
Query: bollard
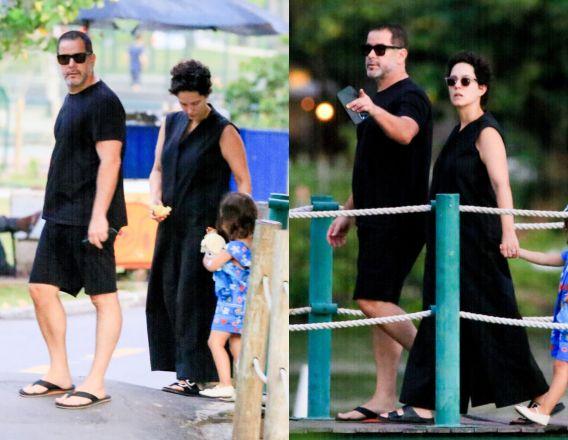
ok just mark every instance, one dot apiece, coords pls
pixel 278 205
pixel 247 418
pixel 447 310
pixel 319 341
pixel 276 416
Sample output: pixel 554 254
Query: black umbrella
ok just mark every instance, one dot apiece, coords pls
pixel 235 16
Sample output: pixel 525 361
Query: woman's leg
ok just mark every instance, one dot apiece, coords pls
pixel 557 387
pixel 216 342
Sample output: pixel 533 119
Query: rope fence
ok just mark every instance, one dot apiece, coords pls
pixel 304 212
pixel 543 322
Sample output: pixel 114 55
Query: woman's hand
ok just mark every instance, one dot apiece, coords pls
pixel 509 246
pixel 159 212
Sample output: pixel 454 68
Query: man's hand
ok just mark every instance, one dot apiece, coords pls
pixel 98 231
pixel 362 104
pixel 337 232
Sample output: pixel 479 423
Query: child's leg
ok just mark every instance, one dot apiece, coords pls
pixel 557 387
pixel 216 342
pixel 235 346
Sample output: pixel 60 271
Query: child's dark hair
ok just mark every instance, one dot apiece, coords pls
pixel 237 215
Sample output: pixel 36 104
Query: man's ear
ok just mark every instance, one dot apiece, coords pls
pixel 403 53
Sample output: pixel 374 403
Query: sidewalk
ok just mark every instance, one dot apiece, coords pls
pixel 135 413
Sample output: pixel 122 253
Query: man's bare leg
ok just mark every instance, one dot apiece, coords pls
pixel 52 322
pixel 109 324
pixel 388 342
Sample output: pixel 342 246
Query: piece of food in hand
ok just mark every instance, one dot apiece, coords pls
pixel 212 243
pixel 161 210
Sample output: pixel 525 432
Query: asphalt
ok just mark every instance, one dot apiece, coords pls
pixel 134 413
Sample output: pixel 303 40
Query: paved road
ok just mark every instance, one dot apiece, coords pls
pixel 23 349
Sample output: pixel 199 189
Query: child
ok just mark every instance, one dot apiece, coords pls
pixel 231 269
pixel 559 338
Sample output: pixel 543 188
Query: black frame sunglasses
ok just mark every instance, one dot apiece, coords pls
pixel 380 49
pixel 79 58
pixel 465 81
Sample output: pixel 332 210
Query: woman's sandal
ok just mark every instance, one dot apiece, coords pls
pixel 50 389
pixel 187 388
pixel 409 415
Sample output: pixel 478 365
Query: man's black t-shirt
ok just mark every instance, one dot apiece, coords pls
pixel 92 115
pixel 386 173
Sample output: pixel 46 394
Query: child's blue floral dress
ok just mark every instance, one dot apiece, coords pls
pixel 231 285
pixel 559 338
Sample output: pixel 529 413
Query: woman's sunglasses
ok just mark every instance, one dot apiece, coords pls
pixel 379 49
pixel 451 81
pixel 79 58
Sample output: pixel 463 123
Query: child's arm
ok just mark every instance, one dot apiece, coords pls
pixel 550 259
pixel 215 262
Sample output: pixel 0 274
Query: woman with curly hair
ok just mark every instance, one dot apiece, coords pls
pixel 196 152
pixel 496 362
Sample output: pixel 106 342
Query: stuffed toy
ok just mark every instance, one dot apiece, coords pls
pixel 212 244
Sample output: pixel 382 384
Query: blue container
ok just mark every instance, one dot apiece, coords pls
pixel 267 155
pixel 139 154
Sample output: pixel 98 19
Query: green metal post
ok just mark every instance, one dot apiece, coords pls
pixel 278 206
pixel 447 310
pixel 319 341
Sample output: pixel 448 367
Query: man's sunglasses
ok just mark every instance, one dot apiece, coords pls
pixel 379 49
pixel 451 81
pixel 79 58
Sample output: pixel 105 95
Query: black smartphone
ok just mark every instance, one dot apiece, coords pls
pixel 347 95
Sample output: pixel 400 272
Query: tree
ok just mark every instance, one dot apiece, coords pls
pixel 27 24
pixel 259 98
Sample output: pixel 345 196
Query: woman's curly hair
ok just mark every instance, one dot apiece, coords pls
pixel 190 76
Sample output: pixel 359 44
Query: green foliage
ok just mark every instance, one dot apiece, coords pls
pixel 26 24
pixel 259 98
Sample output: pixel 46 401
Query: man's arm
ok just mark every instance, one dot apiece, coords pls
pixel 400 129
pixel 107 178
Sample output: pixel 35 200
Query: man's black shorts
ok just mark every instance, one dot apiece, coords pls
pixel 64 260
pixel 386 256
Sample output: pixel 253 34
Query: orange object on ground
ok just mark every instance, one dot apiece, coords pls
pixel 134 246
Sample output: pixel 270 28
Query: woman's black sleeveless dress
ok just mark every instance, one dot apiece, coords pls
pixel 181 299
pixel 496 362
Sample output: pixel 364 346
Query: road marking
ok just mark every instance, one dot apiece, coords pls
pixel 120 352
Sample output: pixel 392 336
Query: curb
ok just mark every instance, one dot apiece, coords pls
pixel 128 299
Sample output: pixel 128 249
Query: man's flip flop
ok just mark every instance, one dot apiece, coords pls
pixel 365 412
pixel 409 415
pixel 524 421
pixel 94 400
pixel 50 389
